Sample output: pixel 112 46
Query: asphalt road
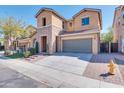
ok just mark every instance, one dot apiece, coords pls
pixel 12 79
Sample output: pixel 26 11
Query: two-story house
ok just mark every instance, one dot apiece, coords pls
pixel 118 28
pixel 79 34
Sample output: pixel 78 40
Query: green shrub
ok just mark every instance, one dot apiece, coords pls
pixel 37 47
pixel 27 54
pixel 16 55
pixel 32 50
pixel 47 48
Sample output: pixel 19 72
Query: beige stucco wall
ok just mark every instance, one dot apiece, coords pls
pixel 47 15
pixel 93 17
pixel 33 38
pixel 55 34
pixel 118 27
pixel 51 19
pixel 56 21
pixel 28 42
pixel 54 27
pixel 70 28
pixel 77 21
pixel 24 42
pixel 51 30
pixel 45 31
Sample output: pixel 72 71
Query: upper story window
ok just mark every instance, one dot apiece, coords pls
pixel 123 14
pixel 70 24
pixel 43 21
pixel 63 25
pixel 122 11
pixel 119 23
pixel 85 21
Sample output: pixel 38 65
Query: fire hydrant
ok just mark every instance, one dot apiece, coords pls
pixel 112 67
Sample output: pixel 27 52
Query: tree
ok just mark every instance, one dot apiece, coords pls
pixel 27 32
pixel 14 29
pixel 107 37
pixel 11 29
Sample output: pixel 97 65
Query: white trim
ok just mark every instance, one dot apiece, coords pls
pixel 83 33
pixel 58 27
pixel 43 26
pixel 85 16
pixel 43 35
pixel 43 17
pixel 49 26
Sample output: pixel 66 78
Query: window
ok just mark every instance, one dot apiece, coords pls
pixel 123 14
pixel 63 25
pixel 85 21
pixel 70 24
pixel 119 23
pixel 44 21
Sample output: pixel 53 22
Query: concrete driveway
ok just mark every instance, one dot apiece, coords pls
pixel 59 70
pixel 67 62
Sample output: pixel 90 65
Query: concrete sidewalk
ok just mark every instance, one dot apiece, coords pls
pixel 54 77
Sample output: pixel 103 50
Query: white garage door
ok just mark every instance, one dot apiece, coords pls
pixel 77 45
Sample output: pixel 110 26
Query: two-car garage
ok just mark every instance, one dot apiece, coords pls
pixel 78 45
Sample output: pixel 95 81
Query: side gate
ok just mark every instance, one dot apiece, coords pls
pixel 104 47
pixel 108 47
pixel 114 47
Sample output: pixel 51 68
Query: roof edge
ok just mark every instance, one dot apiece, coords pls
pixel 87 9
pixel 51 10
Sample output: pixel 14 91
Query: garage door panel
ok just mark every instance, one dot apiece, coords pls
pixel 78 45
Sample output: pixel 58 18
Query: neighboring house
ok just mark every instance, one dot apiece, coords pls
pixel 79 34
pixel 25 44
pixel 118 28
pixel 1 44
pixel 28 42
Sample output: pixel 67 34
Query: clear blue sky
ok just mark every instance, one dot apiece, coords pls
pixel 27 13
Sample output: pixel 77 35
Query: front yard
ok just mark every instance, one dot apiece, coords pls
pixel 70 70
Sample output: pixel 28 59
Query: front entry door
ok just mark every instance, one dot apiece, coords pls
pixel 44 44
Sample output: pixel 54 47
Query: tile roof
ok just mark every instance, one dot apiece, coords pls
pixel 51 10
pixel 74 32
